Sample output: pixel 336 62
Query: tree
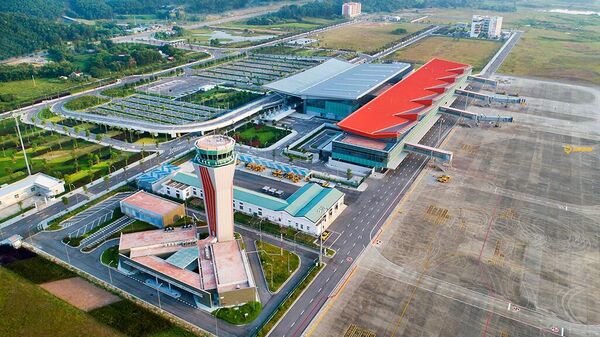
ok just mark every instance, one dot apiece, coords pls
pixel 106 181
pixel 85 189
pixel 65 200
pixel 20 203
pixel 349 174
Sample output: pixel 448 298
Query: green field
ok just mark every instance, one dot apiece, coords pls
pixel 275 263
pixel 367 37
pixel 135 321
pixel 563 47
pixel 121 91
pixel 76 161
pixel 31 311
pixel 554 46
pixel 290 26
pixel 258 135
pixel 84 102
pixel 39 270
pixel 474 52
pixel 26 91
pixel 35 312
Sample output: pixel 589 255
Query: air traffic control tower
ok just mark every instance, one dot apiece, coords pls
pixel 215 165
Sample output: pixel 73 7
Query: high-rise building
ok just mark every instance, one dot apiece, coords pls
pixel 215 165
pixel 486 26
pixel 351 9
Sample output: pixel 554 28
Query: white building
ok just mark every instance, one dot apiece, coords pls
pixel 351 9
pixel 38 184
pixel 311 209
pixel 486 27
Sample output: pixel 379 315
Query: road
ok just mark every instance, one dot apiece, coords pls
pixel 354 229
pixel 50 242
pixel 358 225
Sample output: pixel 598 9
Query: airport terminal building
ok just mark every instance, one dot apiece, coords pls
pixel 377 135
pixel 335 88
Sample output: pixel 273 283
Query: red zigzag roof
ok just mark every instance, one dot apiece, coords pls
pixel 397 109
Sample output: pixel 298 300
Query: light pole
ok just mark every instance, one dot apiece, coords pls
pixel 22 145
pixel 67 251
pixel 270 265
pixel 109 272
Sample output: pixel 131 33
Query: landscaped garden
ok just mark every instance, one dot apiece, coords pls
pixel 222 98
pixel 83 102
pixel 75 161
pixel 242 314
pixel 278 264
pixel 258 135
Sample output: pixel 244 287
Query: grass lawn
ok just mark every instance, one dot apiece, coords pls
pixel 110 256
pixel 474 52
pixel 275 264
pixel 83 102
pixel 31 311
pixel 120 91
pixel 242 314
pixel 39 270
pixel 25 90
pixel 303 25
pixel 555 54
pixel 258 135
pixel 135 321
pixel 367 37
pixel 554 46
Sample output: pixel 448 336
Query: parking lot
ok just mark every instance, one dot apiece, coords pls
pixel 256 70
pixel 176 87
pixel 95 215
pixel 158 110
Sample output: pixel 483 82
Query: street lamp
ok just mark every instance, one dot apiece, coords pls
pixel 109 273
pixel 270 265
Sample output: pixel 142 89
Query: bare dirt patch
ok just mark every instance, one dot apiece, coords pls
pixel 80 293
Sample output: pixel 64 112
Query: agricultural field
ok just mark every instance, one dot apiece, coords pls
pixel 474 52
pixel 366 37
pixel 76 161
pixel 553 46
pixel 258 135
pixel 222 98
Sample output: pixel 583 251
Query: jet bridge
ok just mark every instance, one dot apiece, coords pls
pixel 443 155
pixel 473 116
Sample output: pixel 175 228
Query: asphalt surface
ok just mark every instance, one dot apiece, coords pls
pixel 50 242
pixel 256 182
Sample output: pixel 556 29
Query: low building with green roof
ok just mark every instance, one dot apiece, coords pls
pixel 310 209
